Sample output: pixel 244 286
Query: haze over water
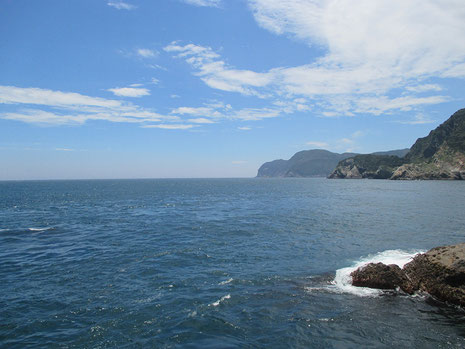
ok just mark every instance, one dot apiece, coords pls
pixel 219 263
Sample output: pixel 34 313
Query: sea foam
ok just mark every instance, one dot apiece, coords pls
pixel 39 229
pixel 219 301
pixel 342 282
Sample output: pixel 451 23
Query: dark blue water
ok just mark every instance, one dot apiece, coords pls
pixel 243 263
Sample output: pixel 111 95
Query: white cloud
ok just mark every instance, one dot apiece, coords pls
pixel 253 114
pixel 238 162
pixel 18 95
pixel 170 126
pixel 380 105
pixel 120 5
pixel 146 53
pixel 348 144
pixel 317 144
pixel 216 73
pixel 42 106
pixel 369 50
pixel 130 91
pixel 210 3
pixel 419 119
pixel 244 128
pixel 226 111
pixel 64 149
pixel 200 111
pixel 201 121
pixel 424 88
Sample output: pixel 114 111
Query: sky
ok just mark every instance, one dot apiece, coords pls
pixel 214 88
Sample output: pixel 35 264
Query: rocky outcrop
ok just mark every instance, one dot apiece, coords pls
pixel 367 166
pixel 379 275
pixel 440 155
pixel 439 272
pixel 446 163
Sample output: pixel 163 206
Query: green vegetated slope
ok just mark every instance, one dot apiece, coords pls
pixel 440 155
pixel 310 163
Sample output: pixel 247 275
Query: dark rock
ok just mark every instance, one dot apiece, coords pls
pixel 439 272
pixel 379 275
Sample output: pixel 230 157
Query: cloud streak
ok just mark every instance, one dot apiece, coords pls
pixel 130 91
pixel 43 106
pixel 120 5
pixel 384 63
pixel 208 3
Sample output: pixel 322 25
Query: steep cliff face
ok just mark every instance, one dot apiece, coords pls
pixel 367 166
pixel 440 155
pixel 446 163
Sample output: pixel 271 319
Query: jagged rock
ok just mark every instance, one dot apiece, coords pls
pixel 379 275
pixel 367 166
pixel 439 272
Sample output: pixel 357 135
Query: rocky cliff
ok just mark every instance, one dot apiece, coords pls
pixel 440 155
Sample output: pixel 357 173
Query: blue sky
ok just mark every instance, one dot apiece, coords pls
pixel 214 88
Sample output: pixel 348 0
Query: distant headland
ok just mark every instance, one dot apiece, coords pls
pixel 440 155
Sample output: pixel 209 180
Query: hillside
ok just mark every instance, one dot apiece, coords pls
pixel 310 163
pixel 440 155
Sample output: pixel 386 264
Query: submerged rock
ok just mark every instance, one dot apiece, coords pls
pixel 439 272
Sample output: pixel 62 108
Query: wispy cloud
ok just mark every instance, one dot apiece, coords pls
pixel 146 53
pixel 385 63
pixel 130 91
pixel 244 128
pixel 196 111
pixel 170 126
pixel 31 95
pixel 226 111
pixel 419 119
pixel 120 5
pixel 210 3
pixel 201 121
pixel 64 149
pixel 216 73
pixel 424 88
pixel 43 106
pixel 317 144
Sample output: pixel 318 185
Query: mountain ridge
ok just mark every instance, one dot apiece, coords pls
pixel 439 155
pixel 311 163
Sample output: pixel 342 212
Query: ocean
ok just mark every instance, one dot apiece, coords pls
pixel 220 263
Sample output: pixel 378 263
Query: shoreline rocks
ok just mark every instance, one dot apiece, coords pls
pixel 439 272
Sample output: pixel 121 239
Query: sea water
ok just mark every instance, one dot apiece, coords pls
pixel 220 263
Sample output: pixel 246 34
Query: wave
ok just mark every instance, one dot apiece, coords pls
pixel 22 230
pixel 342 282
pixel 219 301
pixel 39 229
pixel 226 281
